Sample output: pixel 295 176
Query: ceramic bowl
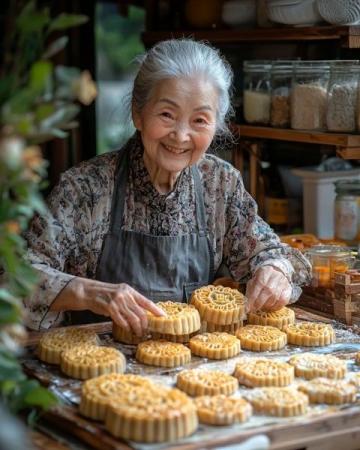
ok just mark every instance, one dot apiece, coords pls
pixel 294 12
pixel 340 12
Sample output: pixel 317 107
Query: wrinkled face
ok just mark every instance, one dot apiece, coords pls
pixel 178 123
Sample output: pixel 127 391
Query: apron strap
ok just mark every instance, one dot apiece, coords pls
pixel 199 201
pixel 118 198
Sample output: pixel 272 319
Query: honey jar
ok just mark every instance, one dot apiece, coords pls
pixel 326 260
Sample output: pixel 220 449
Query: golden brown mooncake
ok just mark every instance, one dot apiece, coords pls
pixel 219 305
pixel 163 353
pixel 332 392
pixel 310 334
pixel 155 414
pixel 89 361
pixel 310 365
pixel 278 319
pixel 260 372
pixel 120 334
pixel 180 319
pixel 98 392
pixel 222 410
pixel 231 329
pixel 278 401
pixel 197 382
pixel 54 342
pixel 215 345
pixel 258 338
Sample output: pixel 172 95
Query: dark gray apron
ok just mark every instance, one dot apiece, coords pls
pixel 159 267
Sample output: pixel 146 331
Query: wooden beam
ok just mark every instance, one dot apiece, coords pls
pixel 347 36
pixel 348 152
pixel 310 137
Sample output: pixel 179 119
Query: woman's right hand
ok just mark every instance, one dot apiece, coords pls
pixel 121 302
pixel 127 307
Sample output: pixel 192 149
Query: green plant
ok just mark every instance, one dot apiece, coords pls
pixel 38 102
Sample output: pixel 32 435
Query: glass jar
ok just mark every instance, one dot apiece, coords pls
pixel 281 78
pixel 347 210
pixel 326 260
pixel 341 115
pixel 257 92
pixel 309 95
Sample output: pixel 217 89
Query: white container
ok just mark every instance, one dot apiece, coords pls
pixel 319 199
pixel 294 12
pixel 340 12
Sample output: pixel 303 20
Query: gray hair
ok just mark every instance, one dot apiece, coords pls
pixel 185 58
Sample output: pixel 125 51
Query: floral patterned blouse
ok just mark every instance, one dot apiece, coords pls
pixel 67 240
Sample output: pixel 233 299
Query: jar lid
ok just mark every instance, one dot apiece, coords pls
pixel 312 66
pixel 257 65
pixel 348 186
pixel 282 69
pixel 329 250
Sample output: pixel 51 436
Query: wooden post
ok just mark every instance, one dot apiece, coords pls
pixel 238 157
pixel 255 152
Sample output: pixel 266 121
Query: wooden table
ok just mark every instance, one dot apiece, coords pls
pixel 339 430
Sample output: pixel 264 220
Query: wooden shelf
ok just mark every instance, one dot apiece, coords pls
pixel 348 36
pixel 309 137
pixel 347 145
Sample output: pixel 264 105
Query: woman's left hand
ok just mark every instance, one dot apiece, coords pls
pixel 268 290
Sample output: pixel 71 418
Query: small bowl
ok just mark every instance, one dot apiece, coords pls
pixel 340 12
pixel 294 12
pixel 239 12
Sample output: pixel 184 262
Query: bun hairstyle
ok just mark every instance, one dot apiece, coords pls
pixel 185 58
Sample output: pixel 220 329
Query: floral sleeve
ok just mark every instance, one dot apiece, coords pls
pixel 250 243
pixel 52 242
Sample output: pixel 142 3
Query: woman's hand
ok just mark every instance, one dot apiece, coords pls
pixel 121 302
pixel 126 307
pixel 268 290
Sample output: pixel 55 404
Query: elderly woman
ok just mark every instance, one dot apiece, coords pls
pixel 157 219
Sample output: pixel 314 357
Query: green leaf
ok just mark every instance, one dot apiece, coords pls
pixel 25 124
pixel 44 110
pixel 28 9
pixel 37 203
pixel 55 47
pixel 8 297
pixel 40 75
pixel 32 418
pixel 6 387
pixel 6 83
pixel 63 21
pixel 8 313
pixel 60 117
pixel 40 396
pixel 55 132
pixel 10 368
pixel 66 74
pixel 19 103
pixel 32 21
pixel 16 400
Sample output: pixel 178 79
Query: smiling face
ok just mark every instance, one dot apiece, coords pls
pixel 177 124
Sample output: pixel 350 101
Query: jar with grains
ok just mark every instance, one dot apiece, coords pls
pixel 342 99
pixel 257 92
pixel 347 210
pixel 309 95
pixel 281 78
